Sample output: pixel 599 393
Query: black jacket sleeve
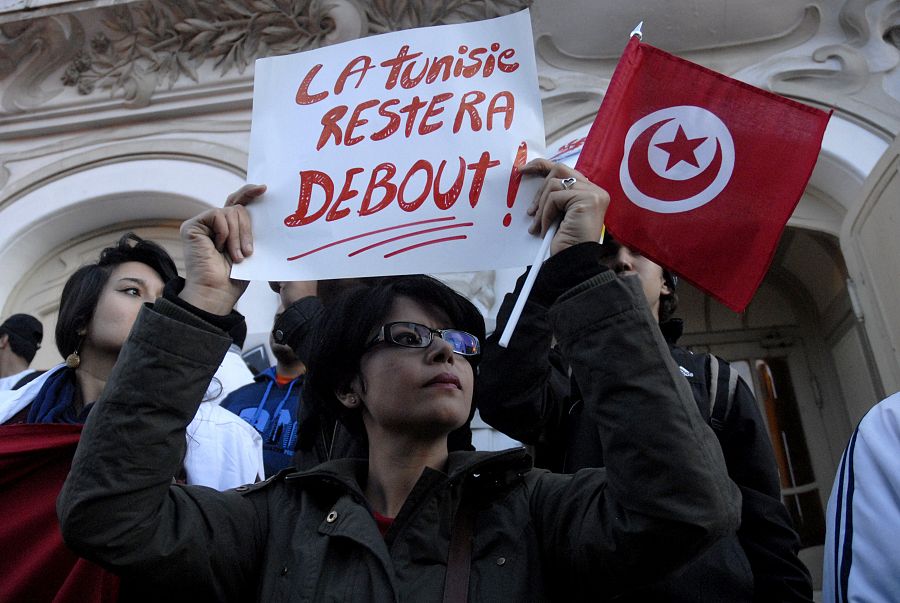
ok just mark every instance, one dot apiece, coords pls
pixel 766 533
pixel 667 495
pixel 523 390
pixel 118 506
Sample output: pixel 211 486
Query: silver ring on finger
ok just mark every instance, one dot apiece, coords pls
pixel 567 183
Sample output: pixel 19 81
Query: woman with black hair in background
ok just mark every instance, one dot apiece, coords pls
pixel 98 306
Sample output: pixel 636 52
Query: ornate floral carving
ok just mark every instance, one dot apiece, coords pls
pixel 30 52
pixel 391 15
pixel 148 44
pixel 852 72
pixel 145 45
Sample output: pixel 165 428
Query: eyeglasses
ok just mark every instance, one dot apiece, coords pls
pixel 414 335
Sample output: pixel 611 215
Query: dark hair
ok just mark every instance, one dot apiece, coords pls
pixel 342 336
pixel 668 303
pixel 82 291
pixel 24 349
pixel 24 334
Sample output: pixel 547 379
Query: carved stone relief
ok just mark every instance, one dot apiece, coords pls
pixel 844 55
pixel 132 50
pixel 855 69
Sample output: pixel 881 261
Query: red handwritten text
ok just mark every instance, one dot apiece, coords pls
pixel 418 116
pixel 412 69
pixel 418 184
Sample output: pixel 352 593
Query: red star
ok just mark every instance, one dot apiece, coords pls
pixel 681 149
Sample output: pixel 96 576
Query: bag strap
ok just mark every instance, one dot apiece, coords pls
pixel 459 559
pixel 723 380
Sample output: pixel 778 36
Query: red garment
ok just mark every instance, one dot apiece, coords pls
pixel 384 522
pixel 283 380
pixel 37 566
pixel 703 171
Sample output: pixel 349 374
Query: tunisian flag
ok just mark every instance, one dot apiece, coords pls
pixel 703 171
pixel 37 565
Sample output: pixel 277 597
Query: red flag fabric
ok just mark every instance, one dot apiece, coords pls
pixel 37 566
pixel 703 171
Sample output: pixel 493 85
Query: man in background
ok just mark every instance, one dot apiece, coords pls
pixel 20 339
pixel 271 403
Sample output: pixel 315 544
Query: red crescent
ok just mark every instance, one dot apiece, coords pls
pixel 655 186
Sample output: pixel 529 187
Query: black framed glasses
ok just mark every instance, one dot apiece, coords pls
pixel 414 335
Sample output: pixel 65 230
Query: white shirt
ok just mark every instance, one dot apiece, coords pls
pixel 7 383
pixel 223 450
pixel 231 374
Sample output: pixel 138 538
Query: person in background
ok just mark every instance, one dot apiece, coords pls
pixel 97 309
pixel 862 522
pixel 271 405
pixel 412 521
pixel 42 423
pixel 529 392
pixel 233 372
pixel 20 339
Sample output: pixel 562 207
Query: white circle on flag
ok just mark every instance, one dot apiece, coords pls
pixel 707 153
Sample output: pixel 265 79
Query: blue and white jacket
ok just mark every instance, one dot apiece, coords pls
pixel 862 543
pixel 272 410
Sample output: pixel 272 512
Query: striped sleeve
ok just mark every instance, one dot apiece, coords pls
pixel 862 543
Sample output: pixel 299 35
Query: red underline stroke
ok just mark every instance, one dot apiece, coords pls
pixel 417 245
pixel 365 234
pixel 410 234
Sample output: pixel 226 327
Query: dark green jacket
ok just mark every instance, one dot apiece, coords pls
pixel 526 391
pixel 310 536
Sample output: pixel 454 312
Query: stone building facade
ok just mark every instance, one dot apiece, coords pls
pixel 120 115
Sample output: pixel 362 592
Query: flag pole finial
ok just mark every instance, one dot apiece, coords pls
pixel 637 31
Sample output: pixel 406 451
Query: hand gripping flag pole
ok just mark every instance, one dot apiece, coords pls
pixel 542 255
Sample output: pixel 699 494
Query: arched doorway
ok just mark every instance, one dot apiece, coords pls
pixel 801 347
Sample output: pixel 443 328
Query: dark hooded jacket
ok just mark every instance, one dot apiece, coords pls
pixel 529 392
pixel 311 536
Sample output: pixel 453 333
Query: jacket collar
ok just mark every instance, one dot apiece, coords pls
pixel 672 330
pixel 493 468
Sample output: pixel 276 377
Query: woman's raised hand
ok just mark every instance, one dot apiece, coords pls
pixel 213 241
pixel 581 203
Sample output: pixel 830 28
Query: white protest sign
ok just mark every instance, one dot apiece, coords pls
pixel 395 154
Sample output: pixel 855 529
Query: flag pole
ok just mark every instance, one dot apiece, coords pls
pixel 539 258
pixel 542 254
pixel 637 31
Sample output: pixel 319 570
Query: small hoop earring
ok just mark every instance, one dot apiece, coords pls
pixel 73 360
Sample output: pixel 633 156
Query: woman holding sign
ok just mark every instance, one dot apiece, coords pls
pixel 413 522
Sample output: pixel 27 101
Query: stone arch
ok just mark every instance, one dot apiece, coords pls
pixel 61 216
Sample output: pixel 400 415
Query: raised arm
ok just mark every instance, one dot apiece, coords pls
pixel 523 390
pixel 119 506
pixel 665 494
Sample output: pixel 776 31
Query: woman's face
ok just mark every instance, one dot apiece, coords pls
pixel 130 285
pixel 414 392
